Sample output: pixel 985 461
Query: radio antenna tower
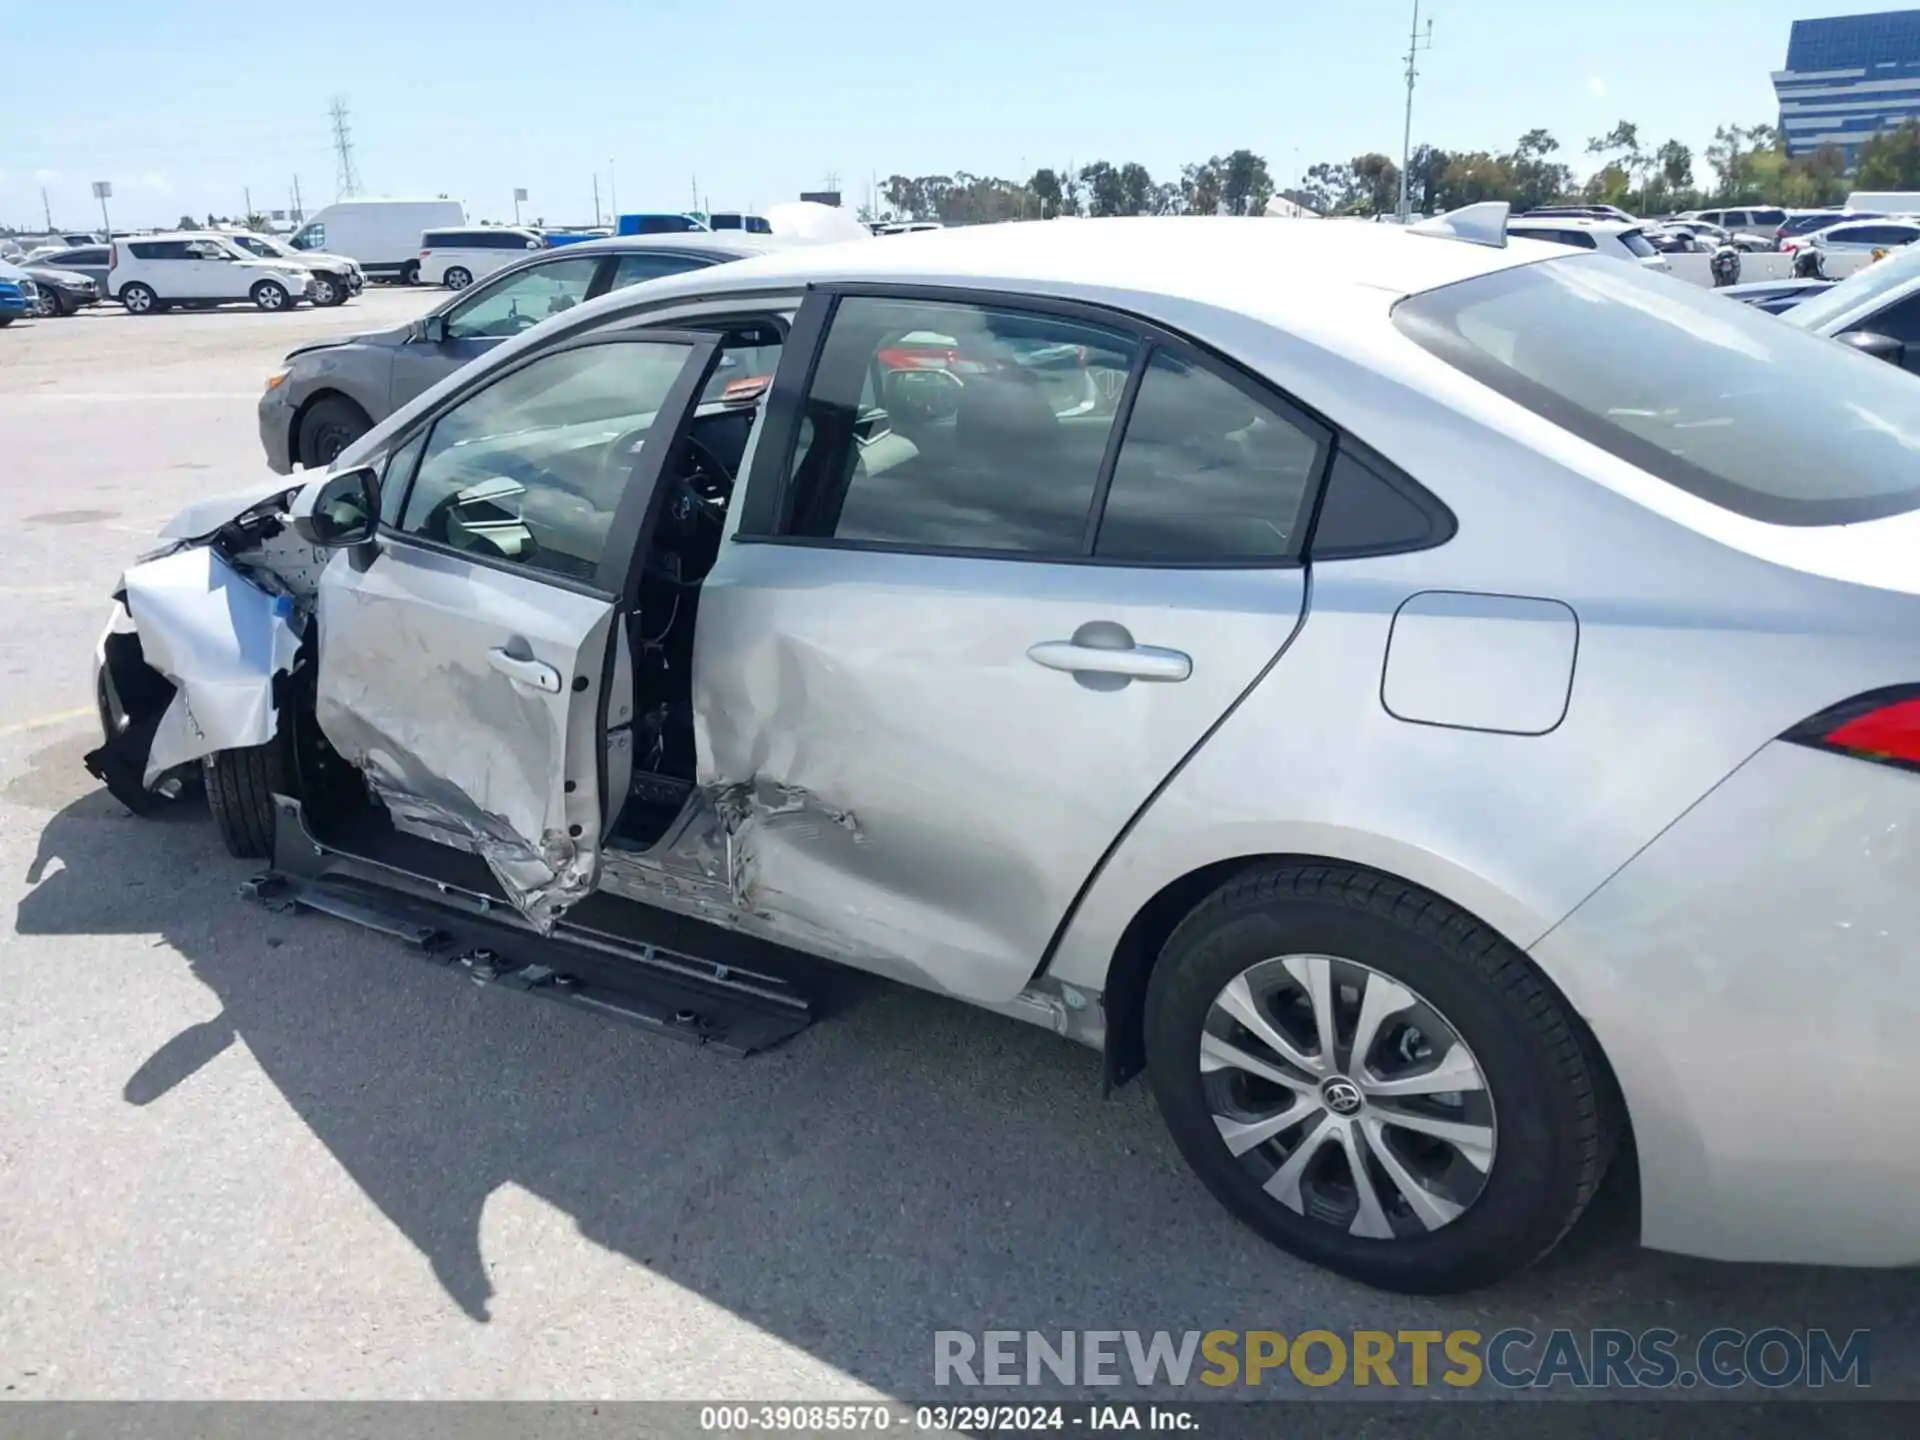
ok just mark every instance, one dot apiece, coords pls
pixel 345 181
pixel 1416 42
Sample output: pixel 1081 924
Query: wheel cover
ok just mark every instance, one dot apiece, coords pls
pixel 137 299
pixel 1349 1097
pixel 458 279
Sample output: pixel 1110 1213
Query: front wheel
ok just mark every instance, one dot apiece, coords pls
pixel 329 426
pixel 271 295
pixel 139 299
pixel 327 292
pixel 458 278
pixel 47 304
pixel 1373 1080
pixel 240 788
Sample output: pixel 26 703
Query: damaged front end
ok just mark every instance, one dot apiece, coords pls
pixel 205 634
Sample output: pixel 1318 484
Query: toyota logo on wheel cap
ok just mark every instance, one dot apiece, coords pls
pixel 1342 1096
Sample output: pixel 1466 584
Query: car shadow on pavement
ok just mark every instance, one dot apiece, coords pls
pixel 906 1166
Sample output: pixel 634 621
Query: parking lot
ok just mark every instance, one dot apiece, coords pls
pixel 248 1154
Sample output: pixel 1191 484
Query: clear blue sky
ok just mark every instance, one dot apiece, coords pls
pixel 183 103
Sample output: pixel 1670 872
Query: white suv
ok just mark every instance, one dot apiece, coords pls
pixel 457 258
pixel 153 272
pixel 1608 237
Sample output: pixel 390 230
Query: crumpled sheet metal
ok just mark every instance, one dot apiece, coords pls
pixel 221 640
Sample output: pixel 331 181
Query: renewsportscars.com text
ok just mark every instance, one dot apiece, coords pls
pixel 1774 1358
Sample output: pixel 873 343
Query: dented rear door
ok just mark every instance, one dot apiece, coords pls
pixel 463 668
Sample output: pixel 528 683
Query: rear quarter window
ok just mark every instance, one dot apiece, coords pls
pixel 1722 401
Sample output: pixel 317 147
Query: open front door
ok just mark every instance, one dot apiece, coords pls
pixel 467 661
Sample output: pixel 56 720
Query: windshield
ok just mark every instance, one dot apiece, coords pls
pixel 1860 288
pixel 1718 399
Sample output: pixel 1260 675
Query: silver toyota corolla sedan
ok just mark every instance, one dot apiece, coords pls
pixel 1440 707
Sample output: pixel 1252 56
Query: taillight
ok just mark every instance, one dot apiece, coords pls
pixel 425 253
pixel 1882 726
pixel 113 256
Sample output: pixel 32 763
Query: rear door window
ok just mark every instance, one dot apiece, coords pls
pixel 1722 401
pixel 638 266
pixel 1637 242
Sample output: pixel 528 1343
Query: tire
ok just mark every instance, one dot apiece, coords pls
pixel 139 299
pixel 1529 1112
pixel 6 320
pixel 49 306
pixel 272 295
pixel 327 291
pixel 410 273
pixel 326 428
pixel 240 790
pixel 458 277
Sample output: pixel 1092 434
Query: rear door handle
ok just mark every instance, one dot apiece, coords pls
pixel 524 670
pixel 1104 649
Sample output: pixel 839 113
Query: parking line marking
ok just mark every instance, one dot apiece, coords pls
pixel 113 398
pixel 21 727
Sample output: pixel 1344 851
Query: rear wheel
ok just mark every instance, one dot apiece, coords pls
pixel 410 273
pixel 139 299
pixel 458 278
pixel 240 788
pixel 271 295
pixel 327 428
pixel 1373 1080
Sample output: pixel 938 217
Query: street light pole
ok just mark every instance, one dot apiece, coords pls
pixel 1416 42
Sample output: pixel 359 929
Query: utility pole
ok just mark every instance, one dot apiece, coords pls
pixel 596 200
pixel 299 214
pixel 1416 42
pixel 694 191
pixel 246 216
pixel 46 209
pixel 103 191
pixel 346 181
pixel 613 195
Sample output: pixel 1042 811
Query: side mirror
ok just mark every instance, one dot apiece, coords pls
pixel 433 329
pixel 1881 347
pixel 340 512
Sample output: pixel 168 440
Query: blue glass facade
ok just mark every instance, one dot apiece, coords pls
pixel 1847 78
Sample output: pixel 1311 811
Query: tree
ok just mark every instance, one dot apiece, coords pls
pixel 1201 188
pixel 1071 192
pixel 1890 160
pixel 187 222
pixel 1103 188
pixel 1731 156
pixel 1676 165
pixel 1137 191
pixel 1046 192
pixel 1622 143
pixel 1473 177
pixel 1426 176
pixel 1533 177
pixel 1379 183
pixel 1245 184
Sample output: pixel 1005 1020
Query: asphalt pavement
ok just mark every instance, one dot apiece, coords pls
pixel 253 1155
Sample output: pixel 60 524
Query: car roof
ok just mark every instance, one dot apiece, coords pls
pixel 1577 222
pixel 1281 270
pixel 732 244
pixel 173 235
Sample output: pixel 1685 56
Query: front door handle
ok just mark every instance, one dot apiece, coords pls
pixel 525 670
pixel 1102 656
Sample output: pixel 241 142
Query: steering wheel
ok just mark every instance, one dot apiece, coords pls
pixel 702 477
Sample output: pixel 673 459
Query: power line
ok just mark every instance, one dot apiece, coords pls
pixel 345 180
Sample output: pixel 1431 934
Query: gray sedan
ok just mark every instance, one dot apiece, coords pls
pixel 1445 709
pixel 327 396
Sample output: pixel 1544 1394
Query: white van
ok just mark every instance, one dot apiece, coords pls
pixel 456 258
pixel 382 235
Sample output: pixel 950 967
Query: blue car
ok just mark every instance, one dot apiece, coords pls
pixel 17 294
